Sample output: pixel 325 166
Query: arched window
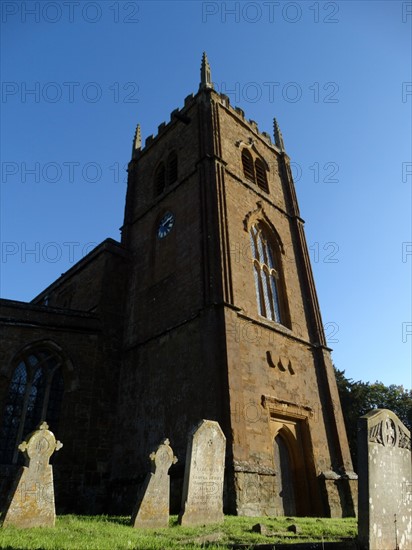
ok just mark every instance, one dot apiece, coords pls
pixel 34 395
pixel 248 167
pixel 160 179
pixel 171 168
pixel 261 177
pixel 266 266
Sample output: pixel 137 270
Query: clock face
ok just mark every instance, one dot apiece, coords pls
pixel 165 225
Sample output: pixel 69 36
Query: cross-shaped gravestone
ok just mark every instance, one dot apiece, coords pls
pixel 152 507
pixel 31 499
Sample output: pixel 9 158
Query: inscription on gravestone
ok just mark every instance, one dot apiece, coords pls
pixel 202 499
pixel 31 499
pixel 152 507
pixel 384 470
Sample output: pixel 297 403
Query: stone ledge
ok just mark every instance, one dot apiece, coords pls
pixel 334 476
pixel 246 468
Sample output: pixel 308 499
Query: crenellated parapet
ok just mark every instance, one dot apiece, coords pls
pixel 180 115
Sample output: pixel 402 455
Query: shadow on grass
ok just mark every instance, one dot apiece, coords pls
pixel 120 520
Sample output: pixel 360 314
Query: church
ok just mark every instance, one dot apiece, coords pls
pixel 206 309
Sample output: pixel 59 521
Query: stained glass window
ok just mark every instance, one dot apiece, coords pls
pixel 34 395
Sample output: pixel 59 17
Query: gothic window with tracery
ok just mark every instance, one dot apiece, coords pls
pixel 266 268
pixel 34 395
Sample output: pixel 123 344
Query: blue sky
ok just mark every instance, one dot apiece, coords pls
pixel 337 75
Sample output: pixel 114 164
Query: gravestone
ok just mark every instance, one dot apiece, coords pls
pixel 202 499
pixel 31 499
pixel 152 507
pixel 385 488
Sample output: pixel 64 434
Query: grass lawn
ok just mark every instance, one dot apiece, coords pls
pixel 108 532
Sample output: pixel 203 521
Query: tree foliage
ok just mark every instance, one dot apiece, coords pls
pixel 358 398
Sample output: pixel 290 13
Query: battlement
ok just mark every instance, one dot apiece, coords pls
pixel 206 87
pixel 237 111
pixel 175 115
pixel 181 115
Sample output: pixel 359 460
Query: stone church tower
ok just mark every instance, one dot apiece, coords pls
pixel 222 316
pixel 207 309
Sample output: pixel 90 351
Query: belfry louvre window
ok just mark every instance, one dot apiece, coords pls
pixel 248 167
pixel 261 177
pixel 266 273
pixel 171 168
pixel 160 179
pixel 254 171
pixel 34 395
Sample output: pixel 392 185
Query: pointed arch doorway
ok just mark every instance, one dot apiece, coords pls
pixel 285 481
pixel 296 487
